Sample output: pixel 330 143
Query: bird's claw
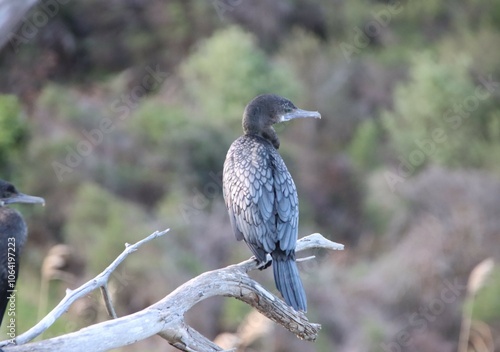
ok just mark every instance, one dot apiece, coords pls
pixel 263 265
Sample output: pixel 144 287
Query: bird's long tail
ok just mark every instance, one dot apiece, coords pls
pixel 287 280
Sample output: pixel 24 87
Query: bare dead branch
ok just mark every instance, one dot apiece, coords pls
pixel 72 295
pixel 166 317
pixel 108 301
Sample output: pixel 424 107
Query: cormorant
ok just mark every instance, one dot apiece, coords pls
pixel 13 233
pixel 260 194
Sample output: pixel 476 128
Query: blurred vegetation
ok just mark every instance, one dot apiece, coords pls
pixel 120 116
pixel 363 147
pixel 96 212
pixel 486 305
pixel 13 133
pixel 443 114
pixel 229 69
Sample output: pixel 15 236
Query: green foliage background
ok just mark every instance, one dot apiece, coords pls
pixel 400 106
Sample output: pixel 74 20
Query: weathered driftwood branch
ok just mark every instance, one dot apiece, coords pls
pixel 99 281
pixel 166 317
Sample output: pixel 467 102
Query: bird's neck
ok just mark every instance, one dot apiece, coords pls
pixel 267 133
pixel 271 135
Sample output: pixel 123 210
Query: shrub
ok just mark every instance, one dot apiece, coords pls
pixel 439 116
pixel 363 146
pixel 226 71
pixel 13 132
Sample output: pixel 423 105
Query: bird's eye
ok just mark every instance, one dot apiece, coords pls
pixel 8 192
pixel 288 106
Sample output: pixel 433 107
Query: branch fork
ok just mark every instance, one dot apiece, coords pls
pixel 166 317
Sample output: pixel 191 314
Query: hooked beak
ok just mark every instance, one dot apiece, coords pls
pixel 23 198
pixel 299 113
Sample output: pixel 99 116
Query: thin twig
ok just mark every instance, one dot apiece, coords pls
pixel 73 295
pixel 108 301
pixel 304 259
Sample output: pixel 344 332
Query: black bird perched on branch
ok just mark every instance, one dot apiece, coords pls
pixel 260 194
pixel 13 234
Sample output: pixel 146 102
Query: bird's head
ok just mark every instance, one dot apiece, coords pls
pixel 9 194
pixel 268 109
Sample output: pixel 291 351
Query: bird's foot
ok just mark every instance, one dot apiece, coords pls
pixel 263 265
